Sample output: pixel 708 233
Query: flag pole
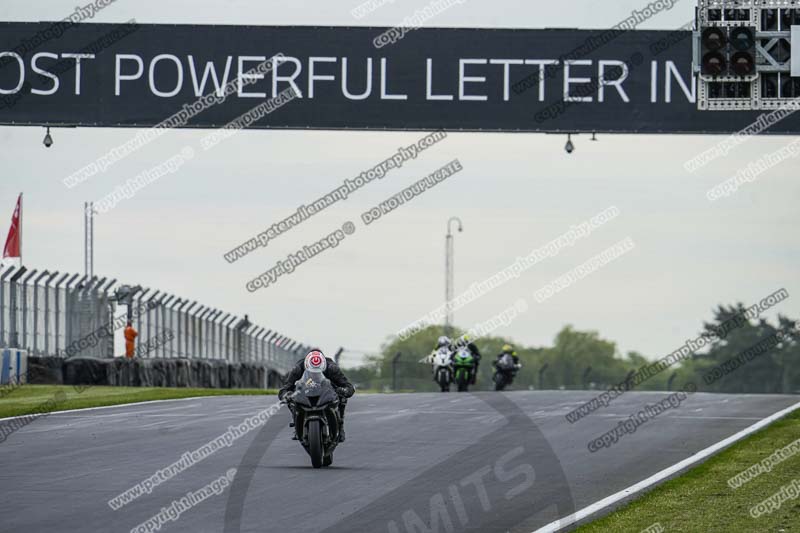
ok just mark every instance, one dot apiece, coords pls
pixel 20 230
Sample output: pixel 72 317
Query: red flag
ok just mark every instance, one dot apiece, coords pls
pixel 13 246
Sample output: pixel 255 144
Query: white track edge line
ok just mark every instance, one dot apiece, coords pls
pixel 552 527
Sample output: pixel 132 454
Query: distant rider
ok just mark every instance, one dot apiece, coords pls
pixel 443 342
pixel 476 356
pixel 464 342
pixel 332 371
pixel 508 349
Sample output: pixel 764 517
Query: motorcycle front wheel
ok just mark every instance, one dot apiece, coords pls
pixel 315 449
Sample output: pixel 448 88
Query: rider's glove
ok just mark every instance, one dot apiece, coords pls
pixel 286 396
pixel 342 392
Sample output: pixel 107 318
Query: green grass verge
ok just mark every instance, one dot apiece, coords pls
pixel 29 399
pixel 701 500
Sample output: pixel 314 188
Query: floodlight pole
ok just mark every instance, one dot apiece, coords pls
pixel 449 274
pixel 88 238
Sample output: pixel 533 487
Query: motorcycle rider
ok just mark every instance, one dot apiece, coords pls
pixel 464 342
pixel 476 356
pixel 507 349
pixel 332 371
pixel 443 342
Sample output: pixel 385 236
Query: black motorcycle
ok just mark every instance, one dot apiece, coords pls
pixel 317 422
pixel 504 373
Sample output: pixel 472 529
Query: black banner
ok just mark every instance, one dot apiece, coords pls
pixel 355 78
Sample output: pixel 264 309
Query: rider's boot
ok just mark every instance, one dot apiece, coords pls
pixel 342 406
pixel 341 423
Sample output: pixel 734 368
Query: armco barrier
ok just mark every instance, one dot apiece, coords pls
pixel 71 316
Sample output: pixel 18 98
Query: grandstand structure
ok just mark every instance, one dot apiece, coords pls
pixel 72 315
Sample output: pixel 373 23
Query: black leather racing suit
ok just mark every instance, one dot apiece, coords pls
pixel 500 356
pixel 332 371
pixel 476 355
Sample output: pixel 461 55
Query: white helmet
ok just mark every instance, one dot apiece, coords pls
pixel 443 341
pixel 315 361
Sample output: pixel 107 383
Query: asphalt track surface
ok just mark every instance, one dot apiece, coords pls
pixel 488 462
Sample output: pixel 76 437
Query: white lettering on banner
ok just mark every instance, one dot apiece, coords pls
pixel 473 79
pixel 472 82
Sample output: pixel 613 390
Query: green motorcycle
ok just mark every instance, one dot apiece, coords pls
pixel 464 364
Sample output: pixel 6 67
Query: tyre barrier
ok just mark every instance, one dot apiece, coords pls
pixel 214 374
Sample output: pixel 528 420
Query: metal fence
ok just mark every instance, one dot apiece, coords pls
pixel 50 313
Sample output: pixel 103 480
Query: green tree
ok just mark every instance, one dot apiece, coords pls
pixel 581 359
pixel 748 354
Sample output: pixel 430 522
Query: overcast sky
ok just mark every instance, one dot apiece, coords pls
pixel 516 193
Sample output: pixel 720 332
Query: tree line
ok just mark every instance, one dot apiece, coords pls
pixel 756 356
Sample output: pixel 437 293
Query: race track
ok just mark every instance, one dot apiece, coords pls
pixel 488 462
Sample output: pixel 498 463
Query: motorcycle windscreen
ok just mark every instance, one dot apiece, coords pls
pixel 311 383
pixel 315 389
pixel 506 362
pixel 442 356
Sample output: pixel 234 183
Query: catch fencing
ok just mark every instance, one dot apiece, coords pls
pixel 70 315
